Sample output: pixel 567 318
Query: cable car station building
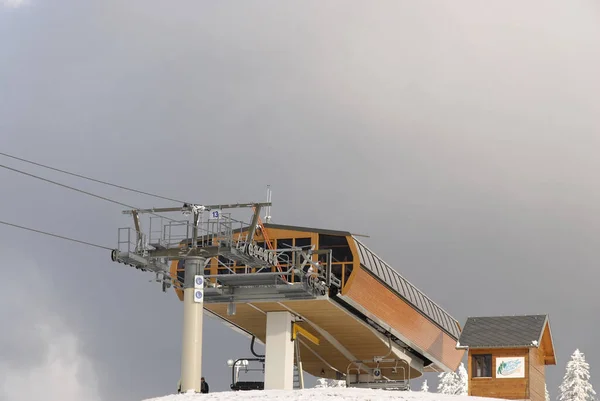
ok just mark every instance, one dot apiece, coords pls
pixel 366 323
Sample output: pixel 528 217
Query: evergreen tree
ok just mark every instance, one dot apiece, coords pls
pixel 322 383
pixel 448 383
pixel 463 381
pixel 425 387
pixel 576 385
pixel 337 383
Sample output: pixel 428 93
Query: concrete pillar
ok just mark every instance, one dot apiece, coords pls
pixel 279 352
pixel 193 308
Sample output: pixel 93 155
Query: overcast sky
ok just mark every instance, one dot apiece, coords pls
pixel 462 136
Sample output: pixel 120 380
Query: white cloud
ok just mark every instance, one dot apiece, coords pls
pixel 14 3
pixel 42 358
pixel 64 375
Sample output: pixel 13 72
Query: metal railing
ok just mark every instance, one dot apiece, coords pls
pixel 129 241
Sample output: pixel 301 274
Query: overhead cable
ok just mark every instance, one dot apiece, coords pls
pixel 91 179
pixel 54 235
pixel 82 191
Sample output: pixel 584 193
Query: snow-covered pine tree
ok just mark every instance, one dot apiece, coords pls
pixel 463 381
pixel 448 383
pixel 576 385
pixel 546 392
pixel 322 383
pixel 424 386
pixel 337 383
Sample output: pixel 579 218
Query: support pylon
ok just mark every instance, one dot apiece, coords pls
pixel 193 309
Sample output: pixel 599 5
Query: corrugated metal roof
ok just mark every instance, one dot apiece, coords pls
pixel 407 291
pixel 503 331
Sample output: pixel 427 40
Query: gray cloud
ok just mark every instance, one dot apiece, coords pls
pixel 14 3
pixel 461 138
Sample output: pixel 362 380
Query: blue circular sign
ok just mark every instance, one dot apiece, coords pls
pixel 198 280
pixel 199 294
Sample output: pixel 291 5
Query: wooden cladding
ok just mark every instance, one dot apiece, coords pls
pixel 548 347
pixel 403 288
pixel 509 388
pixel 353 339
pixel 422 334
pixel 531 386
pixel 537 374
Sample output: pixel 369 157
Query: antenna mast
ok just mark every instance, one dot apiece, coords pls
pixel 268 208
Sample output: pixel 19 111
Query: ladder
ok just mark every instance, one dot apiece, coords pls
pixel 298 373
pixel 297 382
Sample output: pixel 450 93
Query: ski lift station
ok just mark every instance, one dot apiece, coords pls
pixel 319 299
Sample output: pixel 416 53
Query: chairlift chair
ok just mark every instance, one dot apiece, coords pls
pixel 242 364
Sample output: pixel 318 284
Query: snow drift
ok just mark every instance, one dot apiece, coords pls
pixel 326 394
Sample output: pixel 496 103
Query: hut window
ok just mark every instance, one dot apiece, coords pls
pixel 482 366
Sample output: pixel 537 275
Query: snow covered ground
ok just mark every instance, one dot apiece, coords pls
pixel 325 394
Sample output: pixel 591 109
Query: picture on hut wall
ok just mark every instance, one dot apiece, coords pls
pixel 510 368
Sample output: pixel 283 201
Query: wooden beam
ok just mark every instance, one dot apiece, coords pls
pixel 343 350
pixel 305 333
